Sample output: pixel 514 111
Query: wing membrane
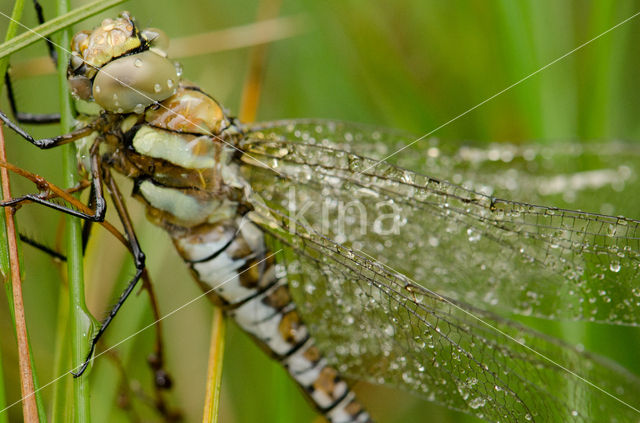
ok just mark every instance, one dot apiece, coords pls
pixel 375 324
pixel 489 252
pixel 392 269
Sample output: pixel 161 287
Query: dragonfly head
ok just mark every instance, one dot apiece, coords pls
pixel 121 68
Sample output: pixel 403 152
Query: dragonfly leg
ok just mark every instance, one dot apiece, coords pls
pixel 47 190
pixel 23 117
pixel 138 260
pixel 32 118
pixel 161 378
pixel 86 228
pixel 40 15
pixel 45 143
pixel 44 248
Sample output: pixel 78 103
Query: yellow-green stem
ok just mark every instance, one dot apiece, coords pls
pixel 214 371
pixel 80 319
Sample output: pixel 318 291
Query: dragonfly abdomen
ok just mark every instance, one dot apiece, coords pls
pixel 230 259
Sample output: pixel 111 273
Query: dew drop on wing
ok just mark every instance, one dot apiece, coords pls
pixel 508 261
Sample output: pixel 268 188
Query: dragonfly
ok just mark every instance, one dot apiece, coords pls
pixel 412 317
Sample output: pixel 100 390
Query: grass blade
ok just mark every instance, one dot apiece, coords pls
pixel 16 14
pixel 80 318
pixel 214 371
pixel 61 359
pixel 12 30
pixel 65 20
pixel 27 389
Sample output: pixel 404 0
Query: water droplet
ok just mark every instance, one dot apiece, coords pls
pixel 389 330
pixel 178 67
pixel 169 83
pixel 574 413
pixel 137 63
pixel 615 266
pixel 97 89
pixel 119 110
pixel 115 96
pixel 477 402
pixel 139 109
pixel 473 235
pixel 157 88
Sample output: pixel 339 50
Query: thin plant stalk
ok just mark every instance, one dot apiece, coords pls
pixel 27 389
pixel 61 360
pixel 10 245
pixel 12 29
pixel 79 318
pixel 214 368
pixel 16 14
pixel 4 418
pixel 267 9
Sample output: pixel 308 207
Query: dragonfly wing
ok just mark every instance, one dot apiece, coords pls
pixel 375 325
pixel 473 247
pixel 392 269
pixel 592 176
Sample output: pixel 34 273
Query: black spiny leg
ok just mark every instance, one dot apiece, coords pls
pixel 22 117
pixel 44 248
pixel 86 227
pixel 32 118
pixel 96 215
pixel 40 15
pixel 138 260
pixel 45 143
pixel 162 380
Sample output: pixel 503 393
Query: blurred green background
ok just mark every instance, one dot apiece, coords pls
pixel 409 64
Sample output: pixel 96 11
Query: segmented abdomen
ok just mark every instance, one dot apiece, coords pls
pixel 230 259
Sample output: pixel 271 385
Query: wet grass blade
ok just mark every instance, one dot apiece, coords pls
pixel 65 20
pixel 10 262
pixel 4 418
pixel 4 251
pixel 61 358
pixel 27 389
pixel 12 30
pixel 80 319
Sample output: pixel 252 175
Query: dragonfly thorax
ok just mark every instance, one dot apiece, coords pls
pixel 120 68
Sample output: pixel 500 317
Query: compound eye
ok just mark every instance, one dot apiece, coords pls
pixel 80 87
pixel 158 40
pixel 132 83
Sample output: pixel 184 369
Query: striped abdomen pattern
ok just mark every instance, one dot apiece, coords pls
pixel 230 260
